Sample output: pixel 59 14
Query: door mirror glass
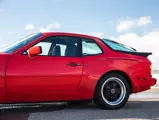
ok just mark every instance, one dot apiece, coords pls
pixel 34 50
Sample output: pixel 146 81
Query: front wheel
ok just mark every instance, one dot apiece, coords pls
pixel 112 91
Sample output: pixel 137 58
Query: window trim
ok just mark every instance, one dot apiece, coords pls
pixel 78 46
pixel 95 43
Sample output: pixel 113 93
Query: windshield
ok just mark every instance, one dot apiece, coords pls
pixel 19 44
pixel 118 46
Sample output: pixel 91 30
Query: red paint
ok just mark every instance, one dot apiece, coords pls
pixel 49 78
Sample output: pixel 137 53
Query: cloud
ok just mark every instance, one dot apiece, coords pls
pixel 50 27
pixel 125 25
pixel 53 26
pixel 29 27
pixel 43 30
pixel 97 34
pixel 128 23
pixel 144 20
pixel 145 43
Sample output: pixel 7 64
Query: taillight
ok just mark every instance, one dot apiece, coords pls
pixel 151 70
pixel 150 67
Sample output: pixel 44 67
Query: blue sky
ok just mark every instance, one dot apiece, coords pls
pixel 73 15
pixel 124 20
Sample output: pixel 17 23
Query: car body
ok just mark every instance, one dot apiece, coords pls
pixel 60 66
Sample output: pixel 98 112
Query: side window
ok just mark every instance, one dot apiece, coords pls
pixel 90 47
pixel 63 49
pixel 59 46
pixel 45 47
pixel 65 46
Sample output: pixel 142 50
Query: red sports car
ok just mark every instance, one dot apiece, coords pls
pixel 58 66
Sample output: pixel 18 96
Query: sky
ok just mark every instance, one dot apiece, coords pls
pixel 134 23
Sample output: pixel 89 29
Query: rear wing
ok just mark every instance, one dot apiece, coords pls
pixel 143 54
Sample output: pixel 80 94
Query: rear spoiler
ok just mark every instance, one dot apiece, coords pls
pixel 143 54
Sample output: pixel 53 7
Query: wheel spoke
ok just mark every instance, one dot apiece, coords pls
pixel 116 96
pixel 111 85
pixel 114 84
pixel 118 90
pixel 108 86
pixel 109 98
pixel 107 93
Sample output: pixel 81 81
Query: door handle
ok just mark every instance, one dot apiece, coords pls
pixel 73 64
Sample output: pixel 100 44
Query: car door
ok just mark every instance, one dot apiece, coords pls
pixel 47 76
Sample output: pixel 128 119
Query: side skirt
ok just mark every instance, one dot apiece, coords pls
pixel 31 105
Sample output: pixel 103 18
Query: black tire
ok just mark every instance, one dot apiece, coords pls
pixel 99 98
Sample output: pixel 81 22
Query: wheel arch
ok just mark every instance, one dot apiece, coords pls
pixel 122 73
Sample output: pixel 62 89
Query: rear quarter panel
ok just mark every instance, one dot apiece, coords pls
pixel 94 67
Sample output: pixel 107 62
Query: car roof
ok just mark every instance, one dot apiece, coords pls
pixel 71 33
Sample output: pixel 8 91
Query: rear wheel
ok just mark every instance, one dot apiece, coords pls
pixel 112 91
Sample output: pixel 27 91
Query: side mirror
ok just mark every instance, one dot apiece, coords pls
pixel 34 51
